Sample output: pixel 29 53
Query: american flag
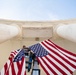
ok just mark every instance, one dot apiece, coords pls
pixel 53 59
pixel 14 67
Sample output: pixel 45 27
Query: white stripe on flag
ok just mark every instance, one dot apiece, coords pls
pixel 45 67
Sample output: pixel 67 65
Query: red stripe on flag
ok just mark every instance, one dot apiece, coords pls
pixel 59 48
pixel 43 67
pixel 64 65
pixel 6 72
pixel 59 55
pixel 20 66
pixel 63 49
pixel 49 66
pixel 12 68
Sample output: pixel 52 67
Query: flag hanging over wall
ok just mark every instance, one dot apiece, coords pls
pixel 15 64
pixel 53 59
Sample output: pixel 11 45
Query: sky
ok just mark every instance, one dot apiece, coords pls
pixel 37 10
